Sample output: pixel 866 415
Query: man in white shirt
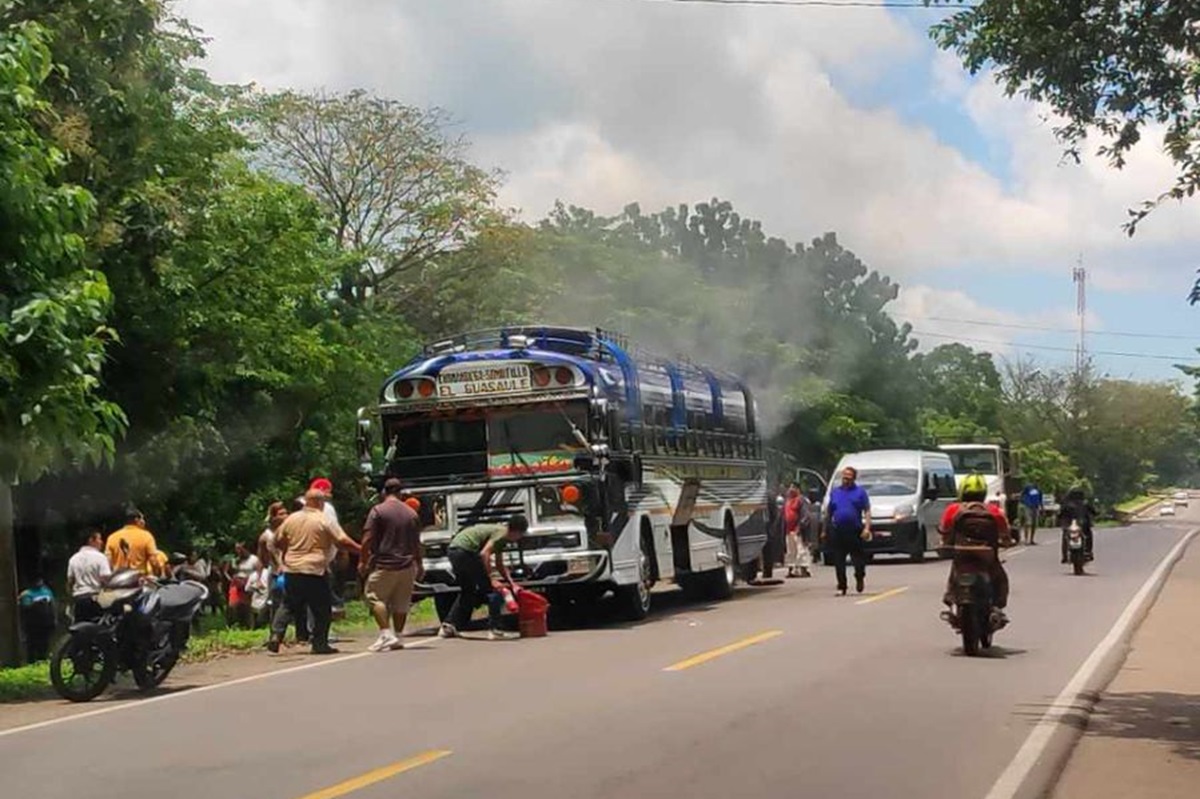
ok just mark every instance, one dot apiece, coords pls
pixel 86 572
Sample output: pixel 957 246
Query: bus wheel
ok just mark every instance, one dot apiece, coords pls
pixel 633 601
pixel 720 581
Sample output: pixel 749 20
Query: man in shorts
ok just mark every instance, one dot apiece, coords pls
pixel 391 564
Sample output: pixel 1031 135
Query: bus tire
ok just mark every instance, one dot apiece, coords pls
pixel 633 601
pixel 719 582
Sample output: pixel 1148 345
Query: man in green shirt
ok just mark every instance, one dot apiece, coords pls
pixel 477 557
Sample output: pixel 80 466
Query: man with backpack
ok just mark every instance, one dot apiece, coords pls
pixel 971 518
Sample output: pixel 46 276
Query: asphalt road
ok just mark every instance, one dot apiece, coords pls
pixel 795 691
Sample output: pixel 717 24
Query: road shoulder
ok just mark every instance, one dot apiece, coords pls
pixel 1143 738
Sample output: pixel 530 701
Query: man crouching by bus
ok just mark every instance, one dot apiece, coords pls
pixel 972 518
pixel 477 557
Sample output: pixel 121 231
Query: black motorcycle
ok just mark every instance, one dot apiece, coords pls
pixel 975 616
pixel 143 628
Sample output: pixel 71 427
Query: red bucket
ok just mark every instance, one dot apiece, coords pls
pixel 532 609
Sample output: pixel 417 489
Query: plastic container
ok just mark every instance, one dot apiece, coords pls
pixel 532 610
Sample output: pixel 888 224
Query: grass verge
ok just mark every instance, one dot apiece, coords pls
pixel 215 638
pixel 1134 504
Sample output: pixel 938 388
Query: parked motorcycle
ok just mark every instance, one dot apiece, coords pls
pixel 143 629
pixel 1076 551
pixel 974 616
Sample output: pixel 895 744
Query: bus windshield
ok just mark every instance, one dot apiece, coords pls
pixel 888 482
pixel 428 448
pixel 499 442
pixel 981 460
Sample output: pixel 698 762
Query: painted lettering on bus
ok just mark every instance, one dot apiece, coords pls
pixel 484 387
pixel 507 379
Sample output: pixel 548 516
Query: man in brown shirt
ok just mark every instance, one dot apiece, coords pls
pixel 391 563
pixel 303 541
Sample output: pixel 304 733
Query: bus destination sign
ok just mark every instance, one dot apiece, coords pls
pixel 484 380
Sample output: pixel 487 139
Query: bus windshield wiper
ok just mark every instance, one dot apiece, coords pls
pixel 575 431
pixel 514 454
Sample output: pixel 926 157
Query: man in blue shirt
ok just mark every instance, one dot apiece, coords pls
pixel 1031 508
pixel 847 528
pixel 37 619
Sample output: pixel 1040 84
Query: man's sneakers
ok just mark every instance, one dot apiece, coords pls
pixel 500 635
pixel 325 650
pixel 448 631
pixel 386 642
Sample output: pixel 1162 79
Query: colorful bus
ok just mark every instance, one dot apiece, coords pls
pixel 633 470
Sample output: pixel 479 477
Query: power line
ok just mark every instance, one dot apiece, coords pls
pixel 1040 328
pixel 829 4
pixel 1022 346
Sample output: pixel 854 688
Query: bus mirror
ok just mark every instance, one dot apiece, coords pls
pixel 363 442
pixel 628 469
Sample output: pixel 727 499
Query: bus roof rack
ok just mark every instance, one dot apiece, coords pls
pixel 568 340
pixel 998 441
pixel 579 341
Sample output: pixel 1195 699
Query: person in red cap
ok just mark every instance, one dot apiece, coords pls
pixel 303 541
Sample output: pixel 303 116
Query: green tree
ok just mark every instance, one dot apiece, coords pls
pixel 1111 70
pixel 52 308
pixel 962 392
pixel 1047 468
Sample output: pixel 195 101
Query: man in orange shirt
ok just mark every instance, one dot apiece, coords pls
pixel 134 547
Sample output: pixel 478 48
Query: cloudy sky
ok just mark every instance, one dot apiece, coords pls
pixel 811 119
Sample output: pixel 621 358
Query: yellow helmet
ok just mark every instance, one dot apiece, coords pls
pixel 973 487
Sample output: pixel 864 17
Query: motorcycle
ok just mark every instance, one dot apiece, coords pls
pixel 1076 551
pixel 975 615
pixel 143 628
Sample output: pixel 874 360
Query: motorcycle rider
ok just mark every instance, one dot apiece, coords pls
pixel 972 494
pixel 1076 507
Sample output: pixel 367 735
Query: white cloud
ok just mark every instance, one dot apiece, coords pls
pixel 605 103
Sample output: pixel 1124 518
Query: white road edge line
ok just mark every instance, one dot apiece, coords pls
pixel 1013 778
pixel 136 703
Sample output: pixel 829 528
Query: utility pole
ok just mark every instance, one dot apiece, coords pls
pixel 1079 276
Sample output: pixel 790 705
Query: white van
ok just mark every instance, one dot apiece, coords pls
pixel 909 490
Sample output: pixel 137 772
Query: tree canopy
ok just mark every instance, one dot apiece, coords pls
pixel 1114 71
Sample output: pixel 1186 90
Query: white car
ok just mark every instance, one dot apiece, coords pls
pixel 1181 498
pixel 1166 510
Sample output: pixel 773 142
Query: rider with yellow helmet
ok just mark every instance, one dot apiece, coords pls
pixel 973 512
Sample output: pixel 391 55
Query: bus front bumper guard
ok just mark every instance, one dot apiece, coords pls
pixel 576 568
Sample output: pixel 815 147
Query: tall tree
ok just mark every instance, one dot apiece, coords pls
pixel 962 391
pixel 52 308
pixel 396 185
